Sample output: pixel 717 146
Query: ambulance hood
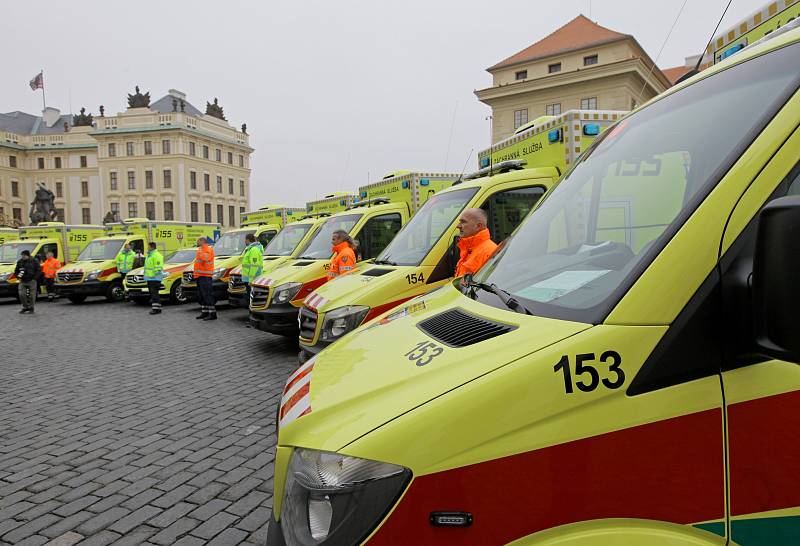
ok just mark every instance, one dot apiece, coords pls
pixel 169 268
pixel 352 289
pixel 376 373
pixel 305 271
pixel 89 265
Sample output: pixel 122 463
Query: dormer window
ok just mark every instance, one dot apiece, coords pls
pixel 520 74
pixel 553 68
pixel 590 60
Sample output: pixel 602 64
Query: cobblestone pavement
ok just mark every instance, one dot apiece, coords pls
pixel 121 428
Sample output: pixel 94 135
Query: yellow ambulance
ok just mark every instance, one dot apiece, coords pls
pixel 271 214
pixel 373 222
pixel 64 241
pixel 8 234
pixel 623 371
pixel 516 173
pixel 135 285
pixel 94 272
pixel 282 248
pixel 228 250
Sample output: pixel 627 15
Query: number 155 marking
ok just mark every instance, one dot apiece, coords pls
pixel 613 380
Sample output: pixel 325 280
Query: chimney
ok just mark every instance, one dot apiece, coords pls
pixel 51 115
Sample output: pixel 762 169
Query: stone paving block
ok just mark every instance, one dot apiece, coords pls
pixel 67 539
pixel 174 496
pixel 209 509
pixel 170 516
pixel 229 537
pixel 135 519
pixel 255 519
pixel 35 540
pixel 178 529
pixel 38 510
pixel 145 497
pixel 214 526
pixel 249 502
pixel 136 536
pixel 102 521
pixel 100 539
pixel 76 506
pixel 66 525
pixel 30 528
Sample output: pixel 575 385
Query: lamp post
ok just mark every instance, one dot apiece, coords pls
pixel 490 119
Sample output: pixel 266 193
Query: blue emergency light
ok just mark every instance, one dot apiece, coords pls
pixel 730 51
pixel 363 194
pixel 405 184
pixel 341 202
pixel 591 129
pixel 484 162
pixel 288 213
pixel 554 136
pixel 424 182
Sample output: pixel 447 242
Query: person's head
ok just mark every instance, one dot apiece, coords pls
pixel 471 222
pixel 151 246
pixel 25 255
pixel 127 247
pixel 340 236
pixel 49 255
pixel 249 238
pixel 201 241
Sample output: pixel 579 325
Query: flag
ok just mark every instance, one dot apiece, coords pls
pixel 37 82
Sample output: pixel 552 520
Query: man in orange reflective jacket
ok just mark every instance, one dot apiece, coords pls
pixel 49 268
pixel 475 244
pixel 344 257
pixel 203 274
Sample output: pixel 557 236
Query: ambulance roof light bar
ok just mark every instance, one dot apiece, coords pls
pixel 497 168
pixel 369 202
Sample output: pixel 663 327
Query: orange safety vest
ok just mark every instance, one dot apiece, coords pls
pixel 475 251
pixel 204 261
pixel 49 268
pixel 343 261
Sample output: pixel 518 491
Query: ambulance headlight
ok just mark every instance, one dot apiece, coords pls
pixel 336 499
pixel 92 275
pixel 342 320
pixel 218 272
pixel 4 276
pixel 284 293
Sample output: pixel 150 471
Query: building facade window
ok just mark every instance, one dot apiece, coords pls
pixel 115 211
pixel 169 211
pixel 241 160
pixel 230 186
pixel 219 184
pixel 60 216
pixel 129 148
pixel 165 149
pixel 84 162
pixel 241 210
pixel 17 214
pixel 148 180
pixel 148 147
pixel 590 60
pixel 112 149
pixel 221 215
pixel 230 158
pixel 193 181
pixel 206 183
pixel 40 162
pixel 520 74
pixel 133 210
pixel 218 155
pixel 112 181
pixel 589 104
pixel 12 161
pixel 241 188
pixel 207 213
pixel 86 215
pixel 59 189
pixel 193 212
pixel 231 216
pixel 553 109
pixel 131 180
pixel 553 68
pixel 205 152
pixel 520 118
pixel 150 210
pixel 84 188
pixel 192 150
pixel 14 188
pixel 57 162
pixel 167 179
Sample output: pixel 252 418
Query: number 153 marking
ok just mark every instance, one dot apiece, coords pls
pixel 613 380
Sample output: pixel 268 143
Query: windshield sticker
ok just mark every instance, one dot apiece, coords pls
pixel 559 285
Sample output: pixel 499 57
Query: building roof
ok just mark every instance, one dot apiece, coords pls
pixel 580 33
pixel 22 123
pixel 164 106
pixel 674 73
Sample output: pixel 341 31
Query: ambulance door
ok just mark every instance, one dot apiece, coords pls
pixel 506 209
pixel 762 395
pixel 376 234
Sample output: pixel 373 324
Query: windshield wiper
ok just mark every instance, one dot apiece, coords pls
pixel 503 295
pixel 384 262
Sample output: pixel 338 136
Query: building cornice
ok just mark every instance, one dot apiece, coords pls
pixel 157 128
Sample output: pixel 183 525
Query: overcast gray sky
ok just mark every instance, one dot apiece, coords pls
pixel 334 93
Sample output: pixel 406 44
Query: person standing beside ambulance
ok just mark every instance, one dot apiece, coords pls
pixel 344 256
pixel 252 264
pixel 476 244
pixel 153 275
pixel 49 268
pixel 125 260
pixel 203 274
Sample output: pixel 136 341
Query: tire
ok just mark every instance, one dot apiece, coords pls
pixel 115 292
pixel 176 295
pixel 76 299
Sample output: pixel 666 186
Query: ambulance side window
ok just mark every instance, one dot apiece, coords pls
pixel 42 254
pixel 507 209
pixel 137 246
pixel 265 237
pixel 376 234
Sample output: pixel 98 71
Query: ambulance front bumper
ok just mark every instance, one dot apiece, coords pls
pixel 85 288
pixel 238 299
pixel 277 319
pixel 8 290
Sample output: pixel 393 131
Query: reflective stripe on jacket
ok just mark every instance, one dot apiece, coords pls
pixel 125 261
pixel 49 268
pixel 343 261
pixel 252 262
pixel 475 251
pixel 153 266
pixel 204 262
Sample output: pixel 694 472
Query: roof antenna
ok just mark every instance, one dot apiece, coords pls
pixel 696 69
pixel 464 168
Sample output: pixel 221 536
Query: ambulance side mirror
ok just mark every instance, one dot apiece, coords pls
pixel 775 286
pixel 453 255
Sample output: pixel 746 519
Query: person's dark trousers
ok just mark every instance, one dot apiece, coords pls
pixel 50 283
pixel 155 299
pixel 27 294
pixel 247 301
pixel 205 289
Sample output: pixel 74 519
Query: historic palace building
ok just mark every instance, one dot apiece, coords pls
pixel 164 160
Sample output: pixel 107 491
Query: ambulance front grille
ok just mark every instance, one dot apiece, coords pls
pixel 188 277
pixel 235 282
pixel 307 318
pixel 258 297
pixel 135 279
pixel 459 329
pixel 69 277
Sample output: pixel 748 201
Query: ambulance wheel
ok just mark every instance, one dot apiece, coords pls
pixel 115 292
pixel 176 294
pixel 77 299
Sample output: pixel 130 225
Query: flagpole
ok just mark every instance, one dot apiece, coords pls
pixel 44 104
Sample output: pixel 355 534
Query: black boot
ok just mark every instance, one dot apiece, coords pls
pixel 155 311
pixel 211 316
pixel 201 316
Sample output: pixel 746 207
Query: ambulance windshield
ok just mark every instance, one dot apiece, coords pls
pixel 611 215
pixel 319 247
pixel 231 244
pixel 414 241
pixel 287 240
pixel 183 256
pixel 101 249
pixel 9 252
